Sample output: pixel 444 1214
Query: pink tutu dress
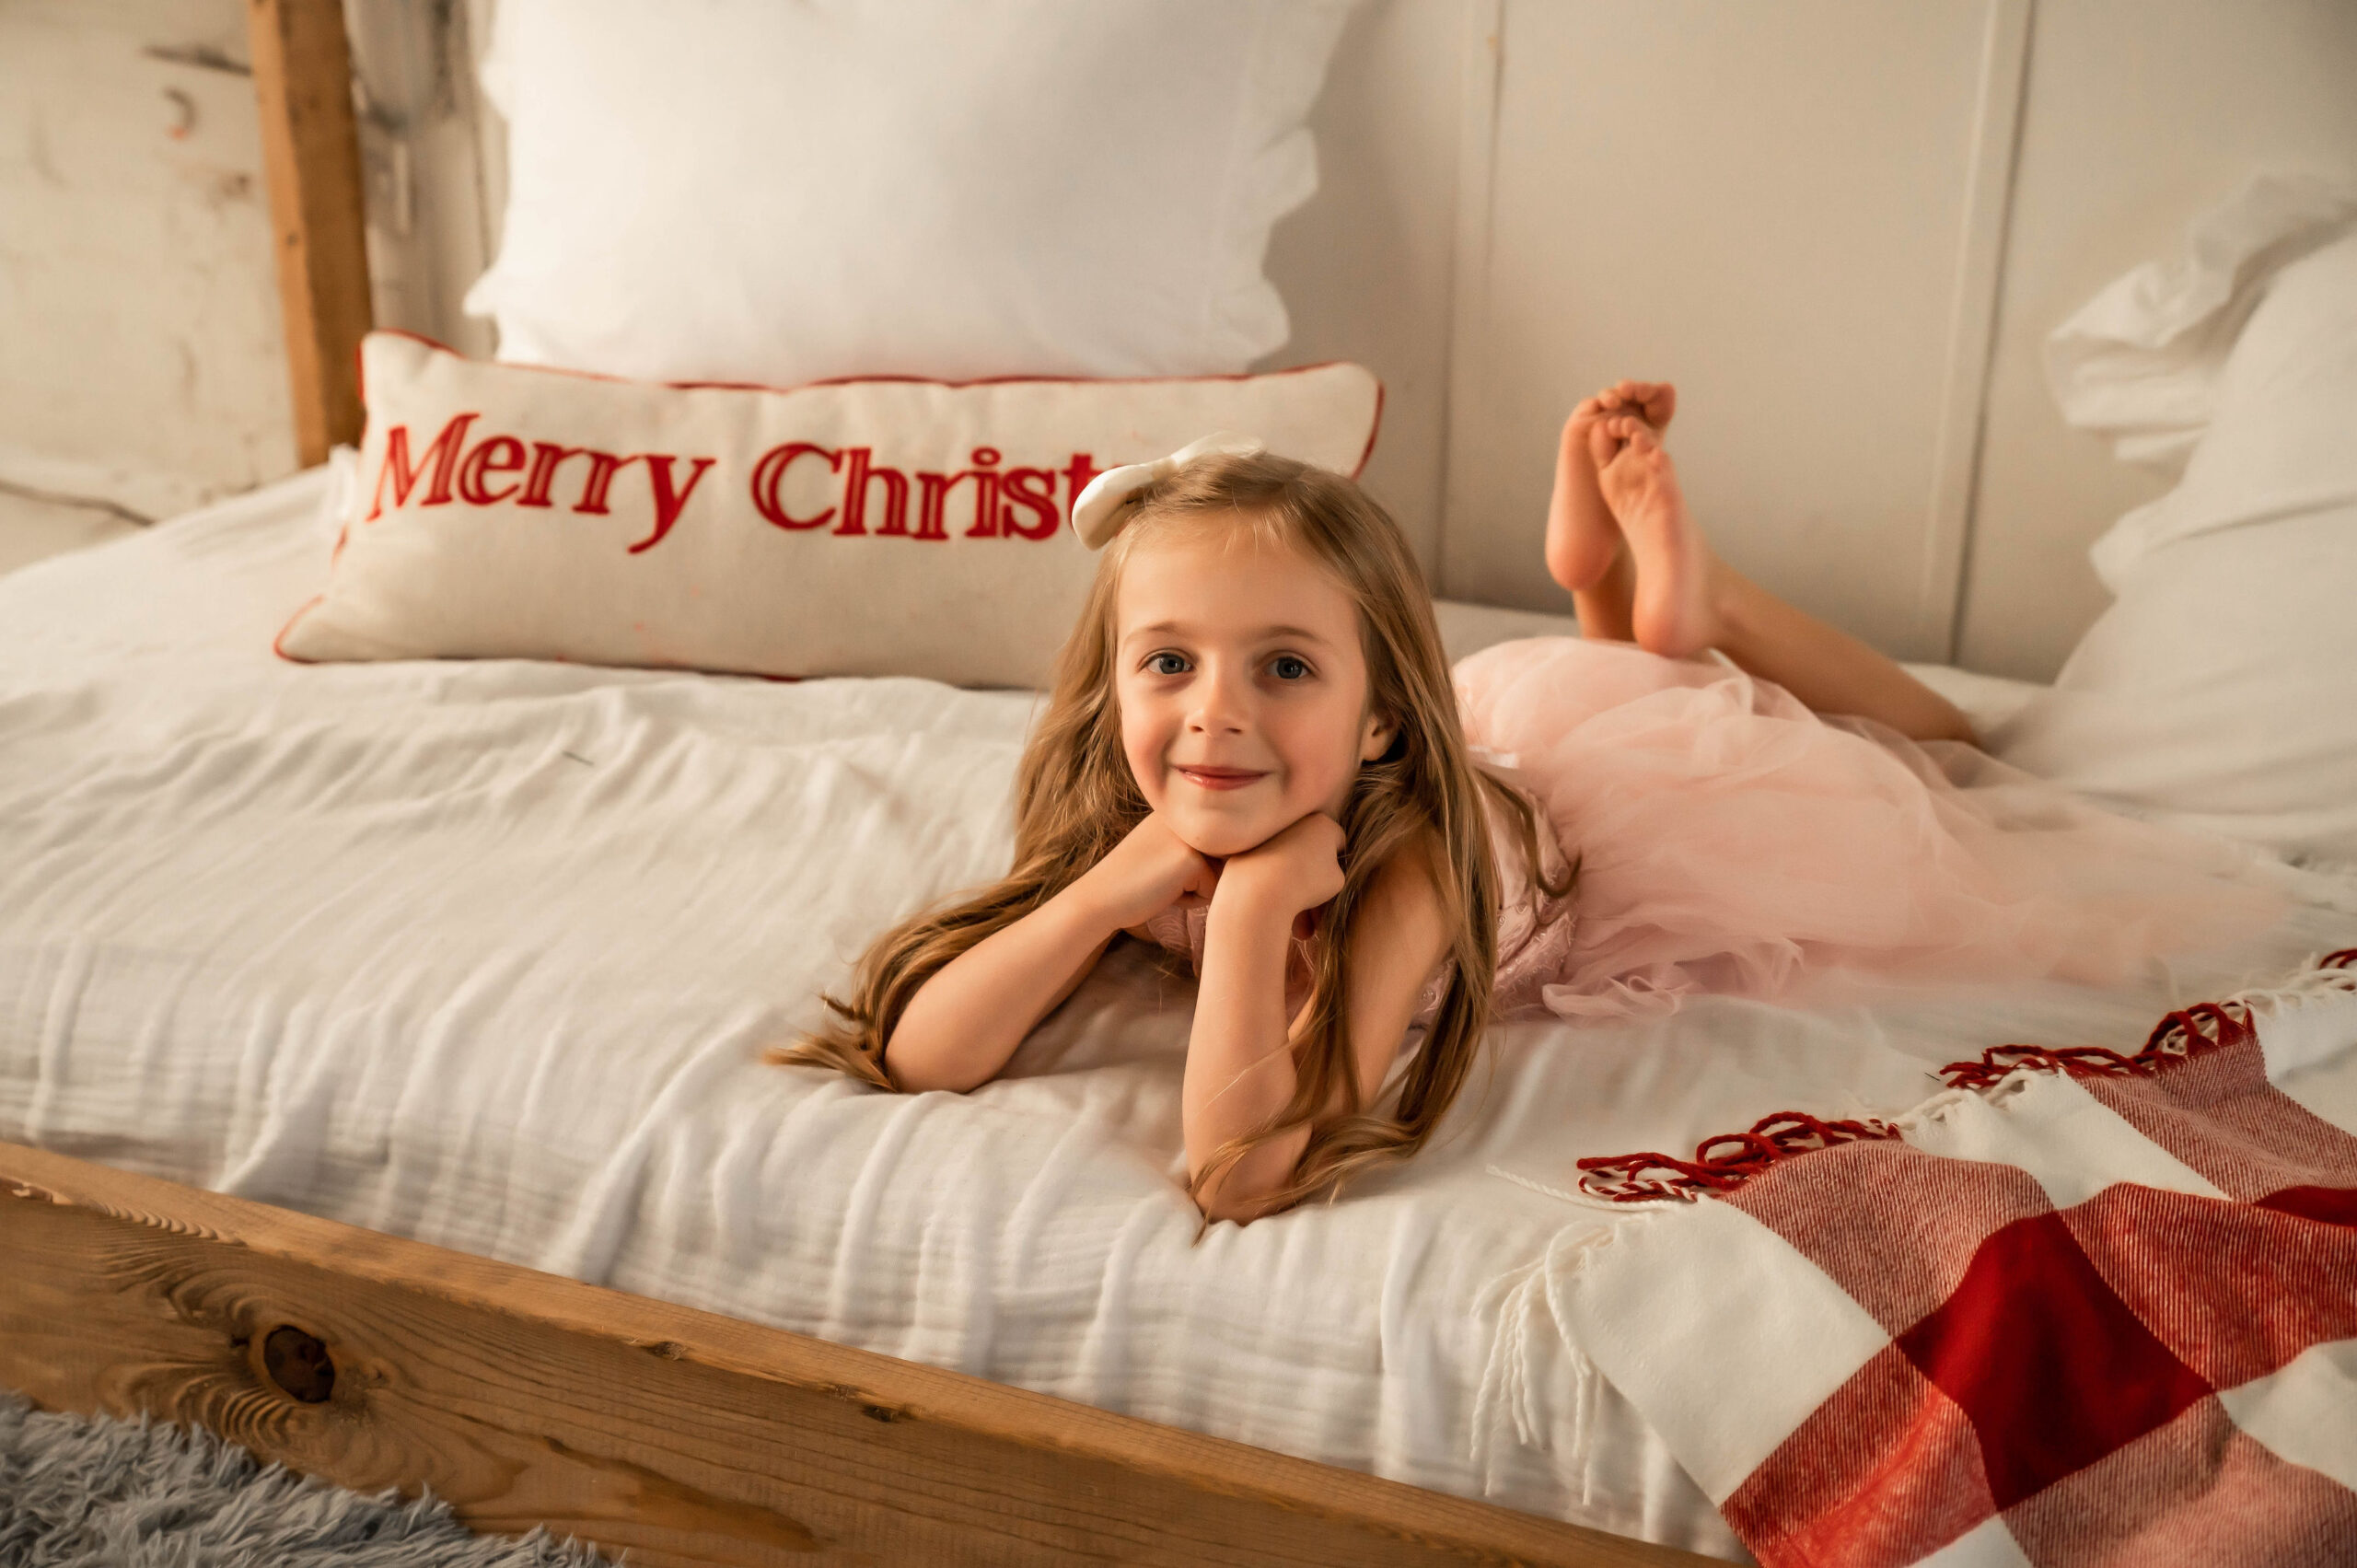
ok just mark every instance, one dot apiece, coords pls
pixel 1730 841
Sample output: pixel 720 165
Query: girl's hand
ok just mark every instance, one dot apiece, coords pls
pixel 1298 869
pixel 1147 872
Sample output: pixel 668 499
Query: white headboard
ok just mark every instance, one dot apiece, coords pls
pixel 1844 228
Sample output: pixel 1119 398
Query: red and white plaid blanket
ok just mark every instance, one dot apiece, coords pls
pixel 2083 1308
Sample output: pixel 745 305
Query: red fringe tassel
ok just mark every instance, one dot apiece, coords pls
pixel 2191 1031
pixel 1723 1163
pixel 1726 1162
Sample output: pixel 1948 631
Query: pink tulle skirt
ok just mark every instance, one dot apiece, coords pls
pixel 1730 841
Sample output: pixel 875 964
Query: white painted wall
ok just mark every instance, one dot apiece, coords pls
pixel 1764 205
pixel 141 363
pixel 1366 267
pixel 1815 215
pixel 1844 230
pixel 2138 114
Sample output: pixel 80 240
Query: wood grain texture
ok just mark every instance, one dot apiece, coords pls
pixel 302 66
pixel 681 1436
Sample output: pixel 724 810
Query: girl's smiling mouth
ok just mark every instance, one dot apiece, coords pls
pixel 1217 778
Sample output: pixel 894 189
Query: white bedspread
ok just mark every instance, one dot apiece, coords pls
pixel 485 954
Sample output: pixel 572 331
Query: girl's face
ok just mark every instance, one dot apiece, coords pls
pixel 1242 685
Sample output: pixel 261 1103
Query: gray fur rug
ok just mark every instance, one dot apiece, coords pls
pixel 105 1494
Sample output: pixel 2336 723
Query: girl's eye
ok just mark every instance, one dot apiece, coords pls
pixel 1166 663
pixel 1285 666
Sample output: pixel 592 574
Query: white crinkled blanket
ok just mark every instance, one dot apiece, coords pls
pixel 485 953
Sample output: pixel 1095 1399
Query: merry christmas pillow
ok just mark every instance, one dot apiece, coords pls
pixel 892 527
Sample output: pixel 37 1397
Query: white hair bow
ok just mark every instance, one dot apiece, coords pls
pixel 1111 498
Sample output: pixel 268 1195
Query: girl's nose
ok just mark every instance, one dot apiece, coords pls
pixel 1221 707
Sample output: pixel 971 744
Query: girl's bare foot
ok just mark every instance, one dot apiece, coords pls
pixel 1676 613
pixel 1582 538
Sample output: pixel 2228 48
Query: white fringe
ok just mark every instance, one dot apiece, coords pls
pixel 1527 1301
pixel 1573 1195
pixel 2312 981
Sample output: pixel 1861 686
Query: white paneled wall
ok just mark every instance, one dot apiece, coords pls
pixel 1766 204
pixel 1365 268
pixel 1844 228
pixel 2138 114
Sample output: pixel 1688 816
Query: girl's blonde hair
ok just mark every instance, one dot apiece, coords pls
pixel 1075 799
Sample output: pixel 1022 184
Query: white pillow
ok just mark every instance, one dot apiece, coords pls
pixel 774 193
pixel 2140 362
pixel 2282 437
pixel 2220 690
pixel 862 528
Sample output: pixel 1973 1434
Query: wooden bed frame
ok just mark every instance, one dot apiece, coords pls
pixel 528 1400
pixel 683 1436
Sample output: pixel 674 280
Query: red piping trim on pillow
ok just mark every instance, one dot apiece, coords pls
pixel 278 644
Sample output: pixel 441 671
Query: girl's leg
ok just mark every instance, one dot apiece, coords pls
pixel 1584 552
pixel 1607 608
pixel 1687 599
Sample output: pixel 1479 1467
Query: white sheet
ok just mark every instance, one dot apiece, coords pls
pixel 484 953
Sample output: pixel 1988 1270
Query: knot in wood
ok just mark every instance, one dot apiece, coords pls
pixel 298 1363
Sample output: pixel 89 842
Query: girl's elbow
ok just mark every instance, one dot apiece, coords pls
pixel 1239 1205
pixel 1235 1210
pixel 913 1071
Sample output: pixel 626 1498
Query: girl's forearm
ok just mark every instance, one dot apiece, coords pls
pixel 1239 1058
pixel 964 1023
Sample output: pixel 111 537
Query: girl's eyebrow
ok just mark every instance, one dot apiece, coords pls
pixel 1265 634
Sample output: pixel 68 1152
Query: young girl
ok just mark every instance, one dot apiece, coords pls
pixel 1253 753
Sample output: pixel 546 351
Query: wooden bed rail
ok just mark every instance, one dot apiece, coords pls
pixel 310 149
pixel 683 1436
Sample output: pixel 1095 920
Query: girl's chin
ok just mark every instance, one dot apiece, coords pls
pixel 1218 840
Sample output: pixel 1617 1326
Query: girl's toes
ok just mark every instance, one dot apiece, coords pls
pixel 1602 445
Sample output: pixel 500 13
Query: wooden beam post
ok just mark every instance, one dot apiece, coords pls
pixel 312 155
